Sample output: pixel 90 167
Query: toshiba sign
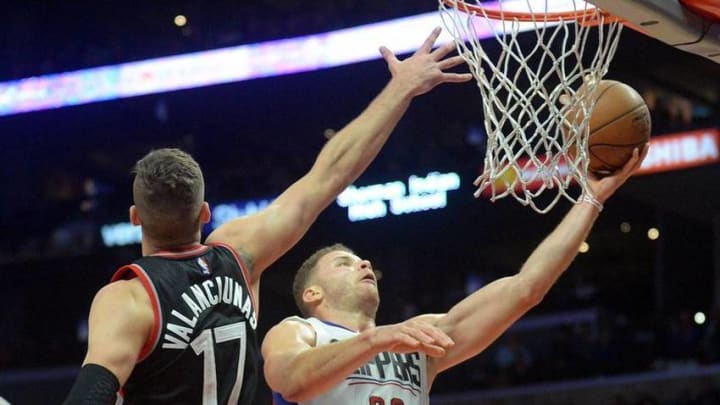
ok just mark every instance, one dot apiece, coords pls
pixel 681 151
pixel 667 153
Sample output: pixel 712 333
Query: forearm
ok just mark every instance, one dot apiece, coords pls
pixel 558 250
pixel 553 256
pixel 475 322
pixel 352 149
pixel 317 370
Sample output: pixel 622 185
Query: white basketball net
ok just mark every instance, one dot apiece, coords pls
pixel 535 143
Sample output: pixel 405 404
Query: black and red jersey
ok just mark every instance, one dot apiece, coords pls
pixel 203 348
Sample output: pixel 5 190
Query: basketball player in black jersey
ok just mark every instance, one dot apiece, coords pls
pixel 338 355
pixel 178 325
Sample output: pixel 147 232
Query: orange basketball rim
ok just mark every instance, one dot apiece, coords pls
pixel 586 15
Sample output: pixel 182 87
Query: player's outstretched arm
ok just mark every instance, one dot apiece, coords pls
pixel 299 370
pixel 479 319
pixel 118 327
pixel 265 236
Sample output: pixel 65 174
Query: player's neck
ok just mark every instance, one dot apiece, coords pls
pixel 354 320
pixel 151 247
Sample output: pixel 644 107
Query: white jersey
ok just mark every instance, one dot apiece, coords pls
pixel 388 379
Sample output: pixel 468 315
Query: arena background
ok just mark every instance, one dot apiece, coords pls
pixel 623 325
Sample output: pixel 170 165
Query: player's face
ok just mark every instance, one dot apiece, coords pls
pixel 343 274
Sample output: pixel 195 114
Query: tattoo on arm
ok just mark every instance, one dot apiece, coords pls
pixel 247 260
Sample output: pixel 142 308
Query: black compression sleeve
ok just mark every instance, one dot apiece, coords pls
pixel 95 385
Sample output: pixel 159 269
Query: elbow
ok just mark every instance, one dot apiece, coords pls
pixel 528 294
pixel 299 388
pixel 338 171
pixel 294 394
pixel 340 178
pixel 533 298
pixel 291 389
pixel 331 180
pixel 289 396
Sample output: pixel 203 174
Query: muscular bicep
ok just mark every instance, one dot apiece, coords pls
pixel 268 234
pixel 281 345
pixel 119 324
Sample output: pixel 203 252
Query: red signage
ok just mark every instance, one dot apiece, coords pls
pixel 682 151
pixel 667 153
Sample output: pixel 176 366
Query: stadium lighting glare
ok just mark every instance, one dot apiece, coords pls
pixel 224 65
pixel 180 20
pixel 653 233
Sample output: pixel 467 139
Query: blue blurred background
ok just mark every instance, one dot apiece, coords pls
pixel 634 321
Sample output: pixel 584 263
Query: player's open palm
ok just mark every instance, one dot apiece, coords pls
pixel 411 336
pixel 425 69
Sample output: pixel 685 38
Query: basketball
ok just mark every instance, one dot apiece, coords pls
pixel 620 122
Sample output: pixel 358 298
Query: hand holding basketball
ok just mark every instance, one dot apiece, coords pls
pixel 603 187
pixel 620 123
pixel 424 70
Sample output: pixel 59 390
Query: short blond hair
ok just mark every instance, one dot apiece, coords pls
pixel 303 277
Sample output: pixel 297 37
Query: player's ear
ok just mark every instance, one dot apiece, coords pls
pixel 205 213
pixel 134 217
pixel 312 295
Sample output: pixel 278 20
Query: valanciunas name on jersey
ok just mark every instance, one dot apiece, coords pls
pixel 200 297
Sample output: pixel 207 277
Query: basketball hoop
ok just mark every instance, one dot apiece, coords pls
pixel 538 90
pixel 587 15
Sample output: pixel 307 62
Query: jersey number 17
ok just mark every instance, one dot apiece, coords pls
pixel 204 344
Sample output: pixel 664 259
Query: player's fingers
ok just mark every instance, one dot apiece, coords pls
pixel 450 62
pixel 456 77
pixel 419 335
pixel 443 51
pixel 388 55
pixel 430 41
pixel 641 156
pixel 433 350
pixel 631 164
pixel 407 341
pixel 438 335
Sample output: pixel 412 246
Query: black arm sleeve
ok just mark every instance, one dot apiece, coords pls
pixel 95 385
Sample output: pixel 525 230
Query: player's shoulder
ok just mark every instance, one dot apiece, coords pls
pixel 295 328
pixel 120 288
pixel 295 323
pixel 120 293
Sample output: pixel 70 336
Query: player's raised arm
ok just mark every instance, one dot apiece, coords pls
pixel 265 236
pixel 479 319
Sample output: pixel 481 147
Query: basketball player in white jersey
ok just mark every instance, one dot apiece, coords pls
pixel 337 355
